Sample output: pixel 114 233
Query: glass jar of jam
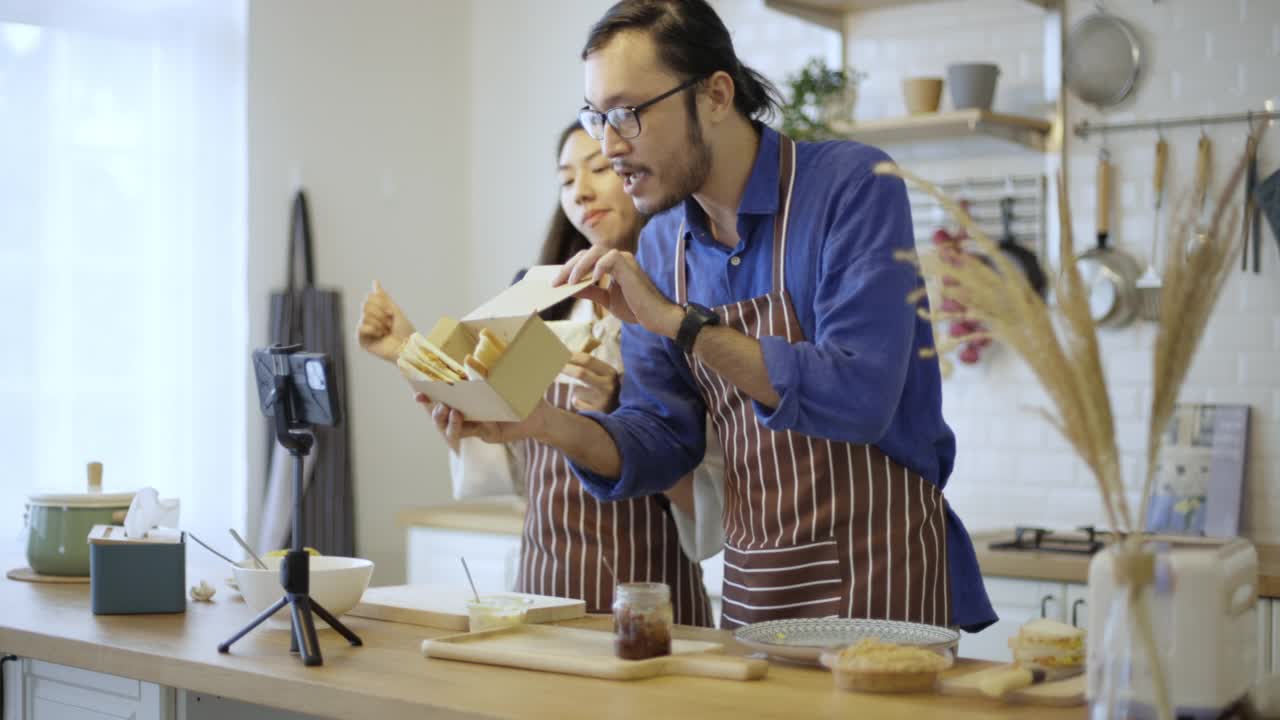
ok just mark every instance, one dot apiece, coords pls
pixel 642 620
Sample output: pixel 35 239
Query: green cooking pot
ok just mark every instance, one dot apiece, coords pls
pixel 59 524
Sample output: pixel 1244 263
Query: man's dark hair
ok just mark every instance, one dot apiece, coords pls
pixel 692 41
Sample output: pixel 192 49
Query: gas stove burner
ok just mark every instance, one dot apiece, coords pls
pixel 1038 539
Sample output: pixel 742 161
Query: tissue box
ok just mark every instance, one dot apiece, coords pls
pixel 129 576
pixel 533 359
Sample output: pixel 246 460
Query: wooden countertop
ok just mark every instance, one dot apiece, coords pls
pixel 389 678
pixel 1062 567
pixel 504 516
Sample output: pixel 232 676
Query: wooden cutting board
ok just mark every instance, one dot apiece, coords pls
pixel 446 607
pixel 1060 693
pixel 574 651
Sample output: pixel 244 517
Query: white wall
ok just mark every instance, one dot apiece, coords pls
pixel 526 68
pixel 367 105
pixel 425 133
pixel 1206 57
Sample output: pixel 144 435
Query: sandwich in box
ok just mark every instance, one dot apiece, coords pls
pixel 498 361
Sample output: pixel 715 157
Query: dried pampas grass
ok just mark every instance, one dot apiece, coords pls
pixel 1060 345
pixel 1195 270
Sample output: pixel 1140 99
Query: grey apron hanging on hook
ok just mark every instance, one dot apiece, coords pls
pixel 305 314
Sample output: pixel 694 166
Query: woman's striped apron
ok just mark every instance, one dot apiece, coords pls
pixel 815 527
pixel 575 546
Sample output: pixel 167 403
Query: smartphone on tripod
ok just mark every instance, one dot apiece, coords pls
pixel 294 388
pixel 310 378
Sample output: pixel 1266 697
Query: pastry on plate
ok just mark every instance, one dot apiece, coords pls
pixel 875 666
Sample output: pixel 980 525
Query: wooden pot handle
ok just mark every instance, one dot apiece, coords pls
pixel 1204 163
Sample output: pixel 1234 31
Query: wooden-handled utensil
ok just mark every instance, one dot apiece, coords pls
pixel 1204 165
pixel 998 684
pixel 1109 274
pixel 1066 692
pixel 1149 284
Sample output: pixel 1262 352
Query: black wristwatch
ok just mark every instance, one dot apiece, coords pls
pixel 696 317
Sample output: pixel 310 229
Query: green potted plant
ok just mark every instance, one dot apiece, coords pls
pixel 819 95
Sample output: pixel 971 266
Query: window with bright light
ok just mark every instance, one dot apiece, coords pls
pixel 122 252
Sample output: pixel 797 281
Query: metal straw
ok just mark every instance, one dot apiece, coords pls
pixel 469 580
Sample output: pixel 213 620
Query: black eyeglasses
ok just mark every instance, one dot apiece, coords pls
pixel 624 119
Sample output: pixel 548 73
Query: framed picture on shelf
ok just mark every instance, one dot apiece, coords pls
pixel 1199 479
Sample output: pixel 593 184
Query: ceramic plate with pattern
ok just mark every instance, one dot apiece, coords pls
pixel 803 640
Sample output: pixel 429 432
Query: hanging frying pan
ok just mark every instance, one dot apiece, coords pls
pixel 1104 59
pixel 1024 259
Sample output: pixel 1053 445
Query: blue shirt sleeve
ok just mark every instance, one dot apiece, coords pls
pixel 865 329
pixel 660 424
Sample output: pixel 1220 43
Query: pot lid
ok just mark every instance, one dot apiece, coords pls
pixel 82 500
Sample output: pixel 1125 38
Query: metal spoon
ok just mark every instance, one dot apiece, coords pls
pixel 206 547
pixel 248 549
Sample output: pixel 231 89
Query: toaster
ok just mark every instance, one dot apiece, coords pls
pixel 1204 614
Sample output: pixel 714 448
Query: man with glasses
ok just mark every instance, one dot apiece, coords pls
pixel 765 295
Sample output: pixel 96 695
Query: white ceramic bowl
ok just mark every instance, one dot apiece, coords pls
pixel 337 583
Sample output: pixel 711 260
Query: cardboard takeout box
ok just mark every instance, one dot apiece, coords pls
pixel 533 359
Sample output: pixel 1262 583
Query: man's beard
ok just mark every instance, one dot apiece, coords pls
pixel 688 177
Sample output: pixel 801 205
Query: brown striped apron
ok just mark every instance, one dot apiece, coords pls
pixel 814 527
pixel 575 546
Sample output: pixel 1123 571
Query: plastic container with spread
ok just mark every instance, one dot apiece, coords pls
pixel 642 620
pixel 490 613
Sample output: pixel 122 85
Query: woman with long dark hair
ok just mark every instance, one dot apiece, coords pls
pixel 573 545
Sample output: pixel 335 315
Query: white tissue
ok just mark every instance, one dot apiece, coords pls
pixel 167 534
pixel 148 511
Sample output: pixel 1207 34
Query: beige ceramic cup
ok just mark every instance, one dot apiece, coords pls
pixel 922 94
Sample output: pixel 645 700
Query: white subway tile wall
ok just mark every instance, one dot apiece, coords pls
pixel 1202 57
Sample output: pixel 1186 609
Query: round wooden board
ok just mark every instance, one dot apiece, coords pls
pixel 26 574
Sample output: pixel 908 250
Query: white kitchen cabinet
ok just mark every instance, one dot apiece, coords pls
pixel 11 681
pixel 199 706
pixel 432 557
pixel 1015 602
pixel 1076 609
pixel 45 691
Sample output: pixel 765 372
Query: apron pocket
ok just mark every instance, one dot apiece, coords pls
pixel 799 581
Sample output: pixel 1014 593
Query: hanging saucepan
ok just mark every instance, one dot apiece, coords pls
pixel 1110 276
pixel 1103 59
pixel 1024 259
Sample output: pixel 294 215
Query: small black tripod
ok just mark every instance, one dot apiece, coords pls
pixel 295 568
